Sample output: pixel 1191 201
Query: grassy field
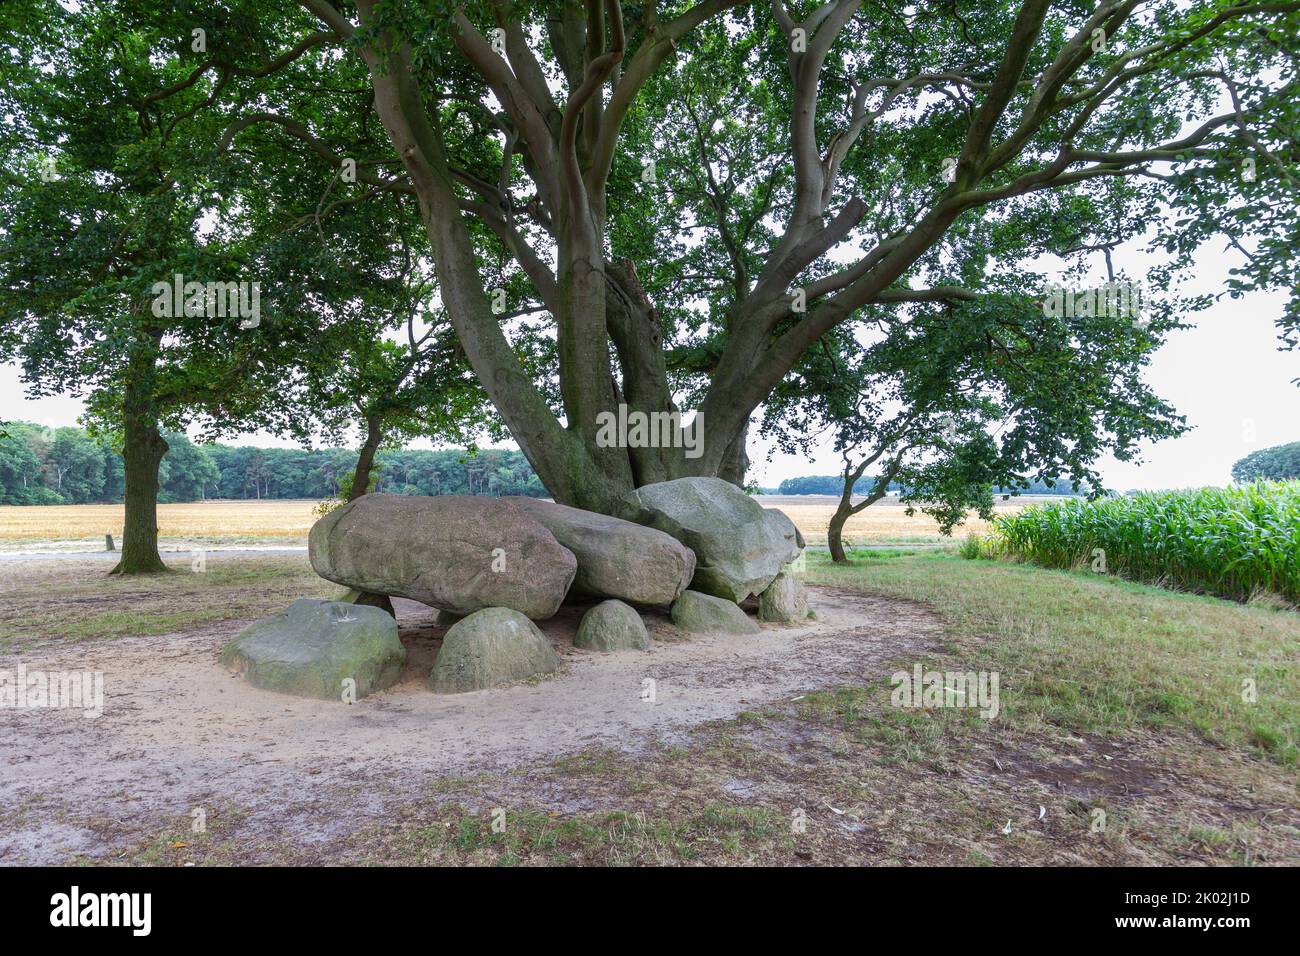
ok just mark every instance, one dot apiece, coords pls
pixel 1124 738
pixel 82 527
pixel 229 521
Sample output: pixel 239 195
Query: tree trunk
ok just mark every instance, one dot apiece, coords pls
pixel 736 462
pixel 835 532
pixel 569 458
pixel 361 476
pixel 142 451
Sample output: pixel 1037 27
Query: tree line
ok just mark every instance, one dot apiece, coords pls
pixel 40 465
pixel 1278 463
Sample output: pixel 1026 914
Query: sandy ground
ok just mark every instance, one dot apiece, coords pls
pixel 180 733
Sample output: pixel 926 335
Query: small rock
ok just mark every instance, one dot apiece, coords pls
pixel 491 647
pixel 703 613
pixel 612 626
pixel 784 601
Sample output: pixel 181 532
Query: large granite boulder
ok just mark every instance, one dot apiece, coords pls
pixel 488 648
pixel 312 647
pixel 784 602
pixel 705 614
pixel 616 558
pixel 739 545
pixel 458 553
pixel 612 626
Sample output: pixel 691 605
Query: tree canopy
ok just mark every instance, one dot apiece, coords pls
pixel 677 207
pixel 1278 463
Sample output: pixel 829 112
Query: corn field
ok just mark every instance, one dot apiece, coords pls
pixel 1235 542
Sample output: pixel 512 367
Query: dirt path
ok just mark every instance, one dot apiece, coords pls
pixel 179 733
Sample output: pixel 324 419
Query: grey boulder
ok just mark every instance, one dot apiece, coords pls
pixel 458 553
pixel 489 648
pixel 612 626
pixel 705 614
pixel 739 545
pixel 616 558
pixel 312 647
pixel 784 602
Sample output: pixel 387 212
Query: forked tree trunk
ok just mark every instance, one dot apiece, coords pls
pixel 366 463
pixel 569 458
pixel 835 533
pixel 847 509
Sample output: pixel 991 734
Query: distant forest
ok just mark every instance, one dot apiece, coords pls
pixel 1279 463
pixel 40 465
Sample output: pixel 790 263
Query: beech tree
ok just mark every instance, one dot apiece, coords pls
pixel 695 195
pixel 966 397
pixel 106 199
pixel 899 128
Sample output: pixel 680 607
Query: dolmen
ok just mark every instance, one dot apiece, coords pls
pixel 494 566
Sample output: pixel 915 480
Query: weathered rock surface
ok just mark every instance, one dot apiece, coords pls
pixel 739 545
pixel 703 613
pixel 616 558
pixel 367 599
pixel 459 553
pixel 312 647
pixel 785 601
pixel 612 626
pixel 494 646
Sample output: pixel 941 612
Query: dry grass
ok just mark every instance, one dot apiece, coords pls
pixel 199 521
pixel 264 522
pixel 71 600
pixel 882 522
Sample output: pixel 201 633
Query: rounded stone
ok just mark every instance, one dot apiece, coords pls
pixel 612 626
pixel 703 614
pixel 739 545
pixel 489 648
pixel 784 601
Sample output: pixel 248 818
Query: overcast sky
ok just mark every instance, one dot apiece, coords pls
pixel 1225 374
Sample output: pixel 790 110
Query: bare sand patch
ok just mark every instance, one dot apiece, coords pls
pixel 179 732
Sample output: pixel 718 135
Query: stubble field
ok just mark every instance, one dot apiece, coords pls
pixel 279 522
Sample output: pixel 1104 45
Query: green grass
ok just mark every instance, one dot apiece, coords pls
pixel 79 601
pixel 1236 542
pixel 613 838
pixel 1083 653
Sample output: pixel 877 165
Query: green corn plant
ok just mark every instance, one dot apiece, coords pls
pixel 1234 542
